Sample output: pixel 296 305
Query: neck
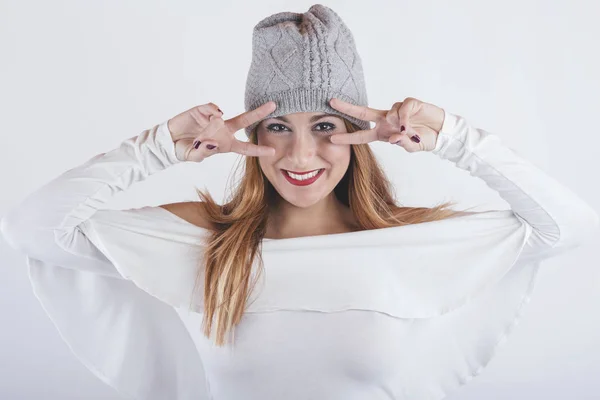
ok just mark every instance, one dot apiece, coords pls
pixel 328 216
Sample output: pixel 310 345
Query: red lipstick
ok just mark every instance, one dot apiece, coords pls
pixel 304 182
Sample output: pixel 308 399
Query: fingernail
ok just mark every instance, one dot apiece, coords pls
pixel 210 146
pixel 416 139
pixel 196 144
pixel 402 128
pixel 220 110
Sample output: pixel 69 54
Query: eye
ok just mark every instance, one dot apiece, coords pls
pixel 328 127
pixel 273 126
pixel 331 126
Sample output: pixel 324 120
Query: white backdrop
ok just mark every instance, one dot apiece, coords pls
pixel 77 78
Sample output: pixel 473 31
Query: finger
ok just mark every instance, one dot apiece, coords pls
pixel 360 112
pixel 201 114
pixel 408 108
pixel 410 132
pixel 204 150
pixel 357 137
pixel 392 116
pixel 249 117
pixel 409 144
pixel 251 149
pixel 210 109
pixel 395 137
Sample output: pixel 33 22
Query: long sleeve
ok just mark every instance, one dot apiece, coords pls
pixel 128 338
pixel 45 225
pixel 559 219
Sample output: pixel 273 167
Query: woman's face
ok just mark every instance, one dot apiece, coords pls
pixel 301 143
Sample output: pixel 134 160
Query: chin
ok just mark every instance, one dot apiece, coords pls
pixel 304 202
pixel 303 196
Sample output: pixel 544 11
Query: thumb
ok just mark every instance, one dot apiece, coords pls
pixel 392 116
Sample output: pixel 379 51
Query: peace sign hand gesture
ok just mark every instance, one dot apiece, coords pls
pixel 200 132
pixel 412 124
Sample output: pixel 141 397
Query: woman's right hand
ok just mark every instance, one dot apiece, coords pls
pixel 204 124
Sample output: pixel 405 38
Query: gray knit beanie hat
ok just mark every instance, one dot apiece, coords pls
pixel 301 61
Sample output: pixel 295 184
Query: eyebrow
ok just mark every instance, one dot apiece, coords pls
pixel 312 119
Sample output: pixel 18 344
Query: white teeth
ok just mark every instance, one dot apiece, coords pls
pixel 303 177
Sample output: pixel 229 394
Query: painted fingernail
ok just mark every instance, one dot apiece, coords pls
pixel 210 146
pixel 416 139
pixel 402 128
pixel 197 144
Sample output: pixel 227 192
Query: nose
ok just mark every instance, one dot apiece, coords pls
pixel 302 149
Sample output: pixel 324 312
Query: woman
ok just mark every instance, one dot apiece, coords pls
pixel 360 298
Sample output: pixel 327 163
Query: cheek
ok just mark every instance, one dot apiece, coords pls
pixel 267 163
pixel 338 156
pixel 262 141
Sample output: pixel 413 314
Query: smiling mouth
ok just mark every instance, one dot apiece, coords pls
pixel 302 180
pixel 302 173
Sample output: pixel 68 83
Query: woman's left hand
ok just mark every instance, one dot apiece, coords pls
pixel 401 125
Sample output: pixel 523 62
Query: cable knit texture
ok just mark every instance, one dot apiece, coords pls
pixel 301 61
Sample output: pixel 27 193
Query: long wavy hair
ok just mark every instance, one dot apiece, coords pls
pixel 239 225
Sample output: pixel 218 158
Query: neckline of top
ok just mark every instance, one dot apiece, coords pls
pixel 313 239
pixel 183 221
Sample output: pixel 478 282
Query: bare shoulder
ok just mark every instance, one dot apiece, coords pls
pixel 191 211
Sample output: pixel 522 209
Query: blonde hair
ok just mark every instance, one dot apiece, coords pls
pixel 239 225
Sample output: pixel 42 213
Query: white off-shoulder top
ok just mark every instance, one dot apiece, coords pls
pixel 409 312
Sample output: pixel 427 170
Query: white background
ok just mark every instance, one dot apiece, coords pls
pixel 77 78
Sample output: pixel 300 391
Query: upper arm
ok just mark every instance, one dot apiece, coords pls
pixel 193 212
